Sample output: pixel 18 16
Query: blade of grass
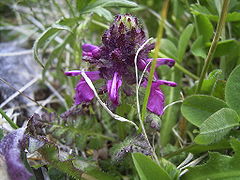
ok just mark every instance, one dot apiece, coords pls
pixel 213 47
pixel 12 124
pixel 153 66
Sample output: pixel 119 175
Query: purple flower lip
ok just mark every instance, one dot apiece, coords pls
pixel 89 47
pixel 91 74
pixel 113 87
pixel 83 92
pixel 163 61
pixel 167 83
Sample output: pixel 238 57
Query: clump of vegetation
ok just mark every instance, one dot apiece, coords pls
pixel 153 92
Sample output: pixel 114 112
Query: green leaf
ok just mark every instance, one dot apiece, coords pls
pixel 219 89
pixel 170 168
pixel 63 24
pixel 197 108
pixel 57 51
pixel 98 174
pixel 209 84
pixel 170 116
pixel 199 148
pixel 218 167
pixel 168 48
pixel 232 91
pixel 102 12
pixel 147 169
pixel 234 16
pixel 198 48
pixel 198 9
pixel 217 126
pixel 226 47
pixel 204 27
pixel 108 3
pixel 51 155
pixel 183 41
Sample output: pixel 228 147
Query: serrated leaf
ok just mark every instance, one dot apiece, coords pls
pixel 147 169
pixel 197 108
pixel 217 126
pixel 183 41
pixel 218 167
pixel 50 154
pixel 232 90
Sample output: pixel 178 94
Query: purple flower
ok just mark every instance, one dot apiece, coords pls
pixel 113 87
pixel 115 62
pixel 10 154
pixel 156 98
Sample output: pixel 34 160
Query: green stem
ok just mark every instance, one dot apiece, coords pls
pixel 100 24
pixel 152 70
pixel 12 124
pixel 213 47
pixel 154 62
pixel 179 67
pixel 185 71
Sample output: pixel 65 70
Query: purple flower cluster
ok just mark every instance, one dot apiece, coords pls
pixel 115 62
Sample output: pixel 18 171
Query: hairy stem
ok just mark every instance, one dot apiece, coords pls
pixel 213 47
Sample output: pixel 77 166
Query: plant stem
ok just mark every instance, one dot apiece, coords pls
pixel 213 47
pixel 185 71
pixel 154 62
pixel 12 124
pixel 180 67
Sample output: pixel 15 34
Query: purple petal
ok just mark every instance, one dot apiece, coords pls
pixel 83 92
pixel 164 82
pixel 94 54
pixel 113 87
pixel 156 101
pixel 93 75
pixel 73 73
pixel 156 98
pixel 163 61
pixel 10 149
pixel 87 53
pixel 89 47
pixel 141 64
